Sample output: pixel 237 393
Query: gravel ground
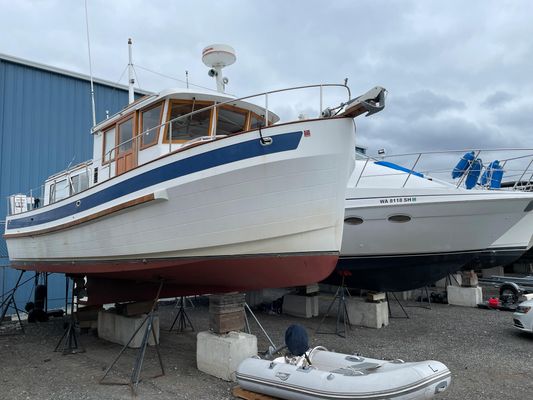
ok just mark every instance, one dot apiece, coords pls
pixel 489 359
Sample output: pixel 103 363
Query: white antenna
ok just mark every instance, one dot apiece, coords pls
pixel 131 81
pixel 90 63
pixel 218 56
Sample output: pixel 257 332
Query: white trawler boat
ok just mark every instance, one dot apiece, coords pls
pixel 203 191
pixel 404 230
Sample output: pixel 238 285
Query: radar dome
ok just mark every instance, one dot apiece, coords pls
pixel 218 55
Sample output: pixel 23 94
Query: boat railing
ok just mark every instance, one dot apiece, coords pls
pixel 23 202
pixel 135 140
pixel 515 164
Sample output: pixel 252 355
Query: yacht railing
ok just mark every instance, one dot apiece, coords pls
pixel 109 157
pixel 110 154
pixel 516 165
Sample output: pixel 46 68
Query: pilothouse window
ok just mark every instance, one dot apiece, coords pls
pixel 149 120
pixel 109 144
pixel 230 120
pixel 192 126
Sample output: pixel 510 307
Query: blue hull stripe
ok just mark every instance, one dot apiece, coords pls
pixel 190 165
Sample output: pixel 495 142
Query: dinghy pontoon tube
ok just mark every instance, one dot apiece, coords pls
pixel 340 376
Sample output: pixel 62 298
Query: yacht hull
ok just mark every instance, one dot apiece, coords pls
pixel 231 214
pixel 441 232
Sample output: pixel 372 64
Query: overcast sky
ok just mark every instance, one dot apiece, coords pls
pixel 459 74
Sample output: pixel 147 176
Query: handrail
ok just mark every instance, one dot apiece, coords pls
pixel 115 149
pixel 518 168
pixel 216 105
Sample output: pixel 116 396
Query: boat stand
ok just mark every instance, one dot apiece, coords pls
pixel 69 341
pixel 247 324
pixel 148 323
pixel 182 318
pixel 9 302
pixel 399 303
pixel 342 312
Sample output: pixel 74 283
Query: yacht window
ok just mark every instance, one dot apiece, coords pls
pixel 256 122
pixel 399 218
pixel 59 190
pixel 125 136
pixel 149 120
pixel 109 144
pixel 80 182
pixel 230 120
pixel 192 126
pixel 353 221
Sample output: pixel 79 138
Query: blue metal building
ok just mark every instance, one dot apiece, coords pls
pixel 45 121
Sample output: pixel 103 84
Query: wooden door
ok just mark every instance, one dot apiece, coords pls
pixel 126 150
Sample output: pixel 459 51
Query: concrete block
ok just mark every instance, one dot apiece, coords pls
pixel 300 306
pixel 254 298
pixel 371 315
pixel 464 296
pixel 496 271
pixel 119 329
pixel 220 355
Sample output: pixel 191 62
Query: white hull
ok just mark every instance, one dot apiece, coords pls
pixel 290 201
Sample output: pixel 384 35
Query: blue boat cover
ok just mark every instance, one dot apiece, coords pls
pixel 473 174
pixel 463 165
pixel 399 168
pixel 492 176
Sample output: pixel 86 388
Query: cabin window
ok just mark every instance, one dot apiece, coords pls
pixel 399 218
pixel 125 136
pixel 80 182
pixel 150 119
pixel 192 126
pixel 230 120
pixel 109 145
pixel 256 121
pixel 59 190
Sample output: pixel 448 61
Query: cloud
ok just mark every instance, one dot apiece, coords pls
pixel 497 99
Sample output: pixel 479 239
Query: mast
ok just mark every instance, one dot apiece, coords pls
pixel 90 64
pixel 131 80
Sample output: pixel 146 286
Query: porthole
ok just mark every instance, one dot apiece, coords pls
pixel 353 221
pixel 399 218
pixel 78 203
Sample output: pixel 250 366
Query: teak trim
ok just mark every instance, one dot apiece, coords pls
pixel 155 130
pixel 119 207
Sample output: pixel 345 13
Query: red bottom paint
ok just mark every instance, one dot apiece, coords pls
pixel 135 280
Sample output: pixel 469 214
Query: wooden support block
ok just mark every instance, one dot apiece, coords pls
pixel 376 297
pixel 240 393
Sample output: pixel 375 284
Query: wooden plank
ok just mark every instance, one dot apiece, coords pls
pixel 240 393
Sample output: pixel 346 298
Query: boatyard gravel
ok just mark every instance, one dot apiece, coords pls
pixel 488 358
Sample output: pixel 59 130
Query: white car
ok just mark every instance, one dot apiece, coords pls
pixel 523 316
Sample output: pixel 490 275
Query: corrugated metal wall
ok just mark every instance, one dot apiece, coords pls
pixel 45 120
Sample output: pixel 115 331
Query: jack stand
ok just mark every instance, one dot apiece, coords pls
pixel 342 312
pixel 399 303
pixel 71 343
pixel 133 382
pixel 182 318
pixel 9 301
pixel 247 324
